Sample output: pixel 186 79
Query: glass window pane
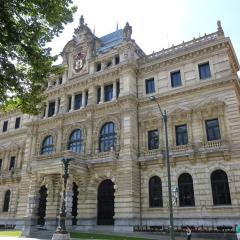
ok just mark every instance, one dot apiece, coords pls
pixel 107 139
pixel 153 139
pixel 204 71
pixel 176 79
pixel 181 135
pixel 150 86
pixel 213 131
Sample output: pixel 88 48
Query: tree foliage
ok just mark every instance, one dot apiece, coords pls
pixel 26 26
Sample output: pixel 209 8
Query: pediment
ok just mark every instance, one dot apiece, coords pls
pixel 179 109
pixel 209 103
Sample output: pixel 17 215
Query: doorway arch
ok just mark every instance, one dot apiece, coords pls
pixel 105 198
pixel 42 205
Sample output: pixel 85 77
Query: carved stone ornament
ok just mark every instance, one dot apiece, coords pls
pixel 79 62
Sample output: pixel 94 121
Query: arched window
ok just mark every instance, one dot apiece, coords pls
pixel 6 201
pixel 47 145
pixel 107 139
pixel 75 143
pixel 186 193
pixel 155 192
pixel 220 188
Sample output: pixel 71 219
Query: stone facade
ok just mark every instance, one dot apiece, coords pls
pixel 81 99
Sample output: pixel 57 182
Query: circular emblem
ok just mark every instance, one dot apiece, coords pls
pixel 79 61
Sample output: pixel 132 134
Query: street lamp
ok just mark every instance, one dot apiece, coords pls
pixel 61 232
pixel 165 119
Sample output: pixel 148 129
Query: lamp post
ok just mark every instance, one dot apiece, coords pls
pixel 61 233
pixel 165 119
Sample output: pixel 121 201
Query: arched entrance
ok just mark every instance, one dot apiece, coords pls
pixel 42 205
pixel 105 203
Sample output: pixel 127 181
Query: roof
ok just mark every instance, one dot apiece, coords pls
pixel 110 41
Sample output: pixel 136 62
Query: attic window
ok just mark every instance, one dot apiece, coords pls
pixel 117 60
pixel 98 67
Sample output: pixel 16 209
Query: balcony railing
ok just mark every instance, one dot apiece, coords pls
pixel 213 144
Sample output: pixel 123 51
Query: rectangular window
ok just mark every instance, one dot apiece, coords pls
pixel 153 140
pixel 150 87
pixel 98 95
pixel 98 67
pixel 108 93
pixel 12 163
pixel 181 135
pixel 17 122
pixel 213 131
pixel 0 164
pixel 117 60
pixel 51 109
pixel 176 79
pixel 204 70
pixel 60 79
pixel 118 89
pixel 5 126
pixel 78 101
pixel 69 102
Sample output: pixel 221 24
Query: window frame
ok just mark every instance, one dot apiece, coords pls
pixel 217 186
pixel 78 101
pixel 51 110
pixel 150 88
pixel 5 126
pixel 74 144
pixel 181 133
pixel 108 93
pixel 155 139
pixel 6 203
pixel 17 122
pixel 202 64
pixel 155 194
pixel 210 128
pixel 49 148
pixel 172 80
pixel 186 187
pixel 107 138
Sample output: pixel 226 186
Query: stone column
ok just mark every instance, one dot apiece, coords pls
pixel 83 99
pixel 114 90
pixel 56 107
pixel 72 102
pixel 102 94
pixel 47 107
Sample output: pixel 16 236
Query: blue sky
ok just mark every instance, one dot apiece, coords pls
pixel 157 24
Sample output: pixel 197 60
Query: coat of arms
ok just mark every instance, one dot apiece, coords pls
pixel 79 61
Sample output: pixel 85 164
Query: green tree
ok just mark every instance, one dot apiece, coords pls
pixel 26 26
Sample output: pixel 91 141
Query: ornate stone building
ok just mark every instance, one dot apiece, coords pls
pixel 99 114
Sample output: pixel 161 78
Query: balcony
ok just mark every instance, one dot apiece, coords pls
pixel 182 150
pixel 148 155
pixel 103 157
pixel 214 146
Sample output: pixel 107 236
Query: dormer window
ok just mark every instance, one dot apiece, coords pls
pixel 98 67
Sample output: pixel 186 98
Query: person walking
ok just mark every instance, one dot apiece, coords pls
pixel 189 233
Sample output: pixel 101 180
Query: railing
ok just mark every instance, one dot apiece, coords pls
pixel 149 153
pixel 182 47
pixel 213 144
pixel 181 148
